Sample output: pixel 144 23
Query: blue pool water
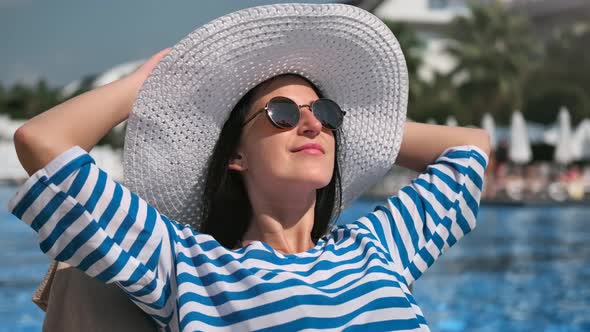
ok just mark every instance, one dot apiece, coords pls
pixel 522 269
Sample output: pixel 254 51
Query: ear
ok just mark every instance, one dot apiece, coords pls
pixel 237 162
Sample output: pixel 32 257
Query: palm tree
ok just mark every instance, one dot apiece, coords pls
pixel 413 49
pixel 22 101
pixel 564 77
pixel 438 101
pixel 493 49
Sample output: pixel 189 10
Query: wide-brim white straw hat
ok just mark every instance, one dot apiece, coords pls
pixel 347 52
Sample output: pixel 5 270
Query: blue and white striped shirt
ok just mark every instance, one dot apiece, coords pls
pixel 355 278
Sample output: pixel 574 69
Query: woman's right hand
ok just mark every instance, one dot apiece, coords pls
pixel 82 120
pixel 138 77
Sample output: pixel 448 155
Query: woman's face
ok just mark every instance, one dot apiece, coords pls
pixel 268 156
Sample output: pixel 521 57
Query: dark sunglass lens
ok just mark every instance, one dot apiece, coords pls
pixel 283 112
pixel 328 112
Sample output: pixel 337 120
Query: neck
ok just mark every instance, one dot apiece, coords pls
pixel 284 223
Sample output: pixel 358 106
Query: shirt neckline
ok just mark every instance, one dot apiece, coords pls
pixel 319 244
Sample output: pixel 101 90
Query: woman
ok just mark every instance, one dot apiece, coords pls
pixel 312 121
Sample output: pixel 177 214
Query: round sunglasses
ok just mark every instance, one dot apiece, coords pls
pixel 284 113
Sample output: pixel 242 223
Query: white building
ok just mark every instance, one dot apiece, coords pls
pixel 430 19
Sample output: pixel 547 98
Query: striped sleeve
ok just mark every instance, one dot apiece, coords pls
pixel 86 219
pixel 431 213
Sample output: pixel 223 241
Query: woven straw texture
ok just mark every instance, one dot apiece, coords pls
pixel 347 52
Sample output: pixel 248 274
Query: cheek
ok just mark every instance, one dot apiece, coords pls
pixel 270 161
pixel 267 155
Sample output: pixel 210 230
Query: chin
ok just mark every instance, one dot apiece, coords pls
pixel 313 175
pixel 316 179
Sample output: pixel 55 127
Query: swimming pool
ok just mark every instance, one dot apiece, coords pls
pixel 522 269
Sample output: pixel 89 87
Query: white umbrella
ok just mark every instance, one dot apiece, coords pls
pixel 563 150
pixel 581 141
pixel 551 135
pixel 520 148
pixel 452 121
pixel 487 123
pixel 536 132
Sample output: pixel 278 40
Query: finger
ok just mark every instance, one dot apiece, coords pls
pixel 154 59
pixel 162 53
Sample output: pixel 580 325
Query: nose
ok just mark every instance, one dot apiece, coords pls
pixel 309 125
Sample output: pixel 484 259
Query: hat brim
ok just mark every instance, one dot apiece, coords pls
pixel 348 53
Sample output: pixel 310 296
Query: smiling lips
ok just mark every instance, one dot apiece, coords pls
pixel 310 148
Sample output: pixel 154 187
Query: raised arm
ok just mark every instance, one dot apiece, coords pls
pixel 67 192
pixel 423 143
pixel 81 121
pixel 438 207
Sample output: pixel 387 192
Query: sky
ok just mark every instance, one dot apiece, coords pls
pixel 64 40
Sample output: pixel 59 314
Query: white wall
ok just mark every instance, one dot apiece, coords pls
pixel 429 18
pixel 421 11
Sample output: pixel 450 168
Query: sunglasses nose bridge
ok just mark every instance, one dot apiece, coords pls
pixel 315 122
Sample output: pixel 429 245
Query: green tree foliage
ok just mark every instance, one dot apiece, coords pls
pixel 23 101
pixel 2 100
pixel 413 49
pixel 494 50
pixel 438 100
pixel 563 78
